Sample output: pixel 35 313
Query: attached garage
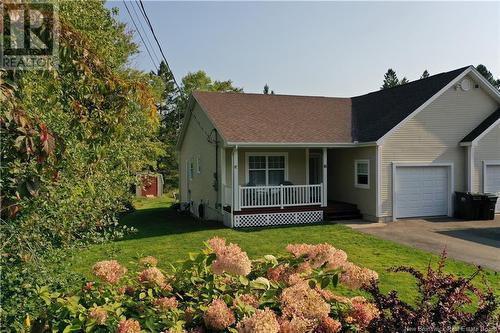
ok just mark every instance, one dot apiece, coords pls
pixel 492 180
pixel 421 190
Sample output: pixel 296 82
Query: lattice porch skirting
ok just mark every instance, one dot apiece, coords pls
pixel 267 219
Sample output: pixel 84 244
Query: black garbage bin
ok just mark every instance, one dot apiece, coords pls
pixel 489 201
pixel 468 205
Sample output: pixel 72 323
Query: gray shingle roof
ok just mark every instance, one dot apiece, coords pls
pixel 260 118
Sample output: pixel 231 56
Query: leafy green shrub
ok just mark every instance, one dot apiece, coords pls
pixel 218 289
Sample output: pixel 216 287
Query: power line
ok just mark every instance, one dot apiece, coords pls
pixel 140 35
pixel 144 30
pixel 158 43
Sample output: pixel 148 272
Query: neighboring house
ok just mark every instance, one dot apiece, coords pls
pixel 255 159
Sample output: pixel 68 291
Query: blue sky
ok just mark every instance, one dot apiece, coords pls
pixel 321 48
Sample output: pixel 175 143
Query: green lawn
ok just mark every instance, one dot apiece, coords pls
pixel 169 237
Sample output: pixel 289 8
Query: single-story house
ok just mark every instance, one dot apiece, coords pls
pixel 255 159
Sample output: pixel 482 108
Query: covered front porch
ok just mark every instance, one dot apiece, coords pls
pixel 276 186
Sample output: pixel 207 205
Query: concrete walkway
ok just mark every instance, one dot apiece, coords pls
pixel 475 242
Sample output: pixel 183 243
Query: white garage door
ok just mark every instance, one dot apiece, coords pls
pixel 421 191
pixel 492 182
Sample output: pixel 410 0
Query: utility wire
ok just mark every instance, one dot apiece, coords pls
pixel 143 10
pixel 140 35
pixel 144 30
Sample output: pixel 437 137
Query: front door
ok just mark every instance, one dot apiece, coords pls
pixel 315 172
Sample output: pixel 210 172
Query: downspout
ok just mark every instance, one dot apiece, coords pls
pixel 216 174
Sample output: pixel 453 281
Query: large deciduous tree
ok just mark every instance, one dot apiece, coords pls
pixel 72 140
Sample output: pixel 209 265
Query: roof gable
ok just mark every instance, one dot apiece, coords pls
pixel 376 113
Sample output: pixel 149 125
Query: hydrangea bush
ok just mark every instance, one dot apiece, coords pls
pixel 218 289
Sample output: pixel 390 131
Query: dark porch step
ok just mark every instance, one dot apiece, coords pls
pixel 337 210
pixel 343 216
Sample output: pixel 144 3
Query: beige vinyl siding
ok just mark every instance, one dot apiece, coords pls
pixel 341 178
pixel 195 145
pixel 487 149
pixel 433 135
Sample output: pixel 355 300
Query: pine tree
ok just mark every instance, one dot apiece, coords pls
pixel 390 79
pixel 488 75
pixel 425 74
pixel 266 90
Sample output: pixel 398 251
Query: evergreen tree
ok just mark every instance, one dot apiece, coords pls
pixel 170 117
pixel 390 79
pixel 488 75
pixel 266 90
pixel 425 74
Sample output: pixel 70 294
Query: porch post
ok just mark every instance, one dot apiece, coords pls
pixel 236 188
pixel 307 166
pixel 222 177
pixel 325 178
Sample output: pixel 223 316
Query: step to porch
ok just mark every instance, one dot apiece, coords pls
pixel 337 210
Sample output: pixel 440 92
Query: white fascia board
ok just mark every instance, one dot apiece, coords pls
pixel 300 144
pixel 492 91
pixel 480 136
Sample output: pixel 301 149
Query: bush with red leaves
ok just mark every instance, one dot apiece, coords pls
pixel 444 304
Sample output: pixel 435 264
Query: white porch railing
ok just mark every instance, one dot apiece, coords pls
pixel 280 196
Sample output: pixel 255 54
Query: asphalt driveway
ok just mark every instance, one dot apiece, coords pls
pixel 475 242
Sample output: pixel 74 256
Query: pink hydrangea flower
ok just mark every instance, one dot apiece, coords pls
pixel 166 303
pixel 246 299
pixel 329 325
pixel 318 255
pixel 217 244
pixel 152 276
pixel 229 258
pixel 262 321
pixel 109 271
pixel 286 274
pixel 218 316
pixel 296 325
pixel 300 300
pixel 148 261
pixel 99 315
pixel 355 277
pixel 329 296
pixel 363 311
pixel 128 326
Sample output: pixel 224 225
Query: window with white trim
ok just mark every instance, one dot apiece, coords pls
pixel 362 173
pixel 264 170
